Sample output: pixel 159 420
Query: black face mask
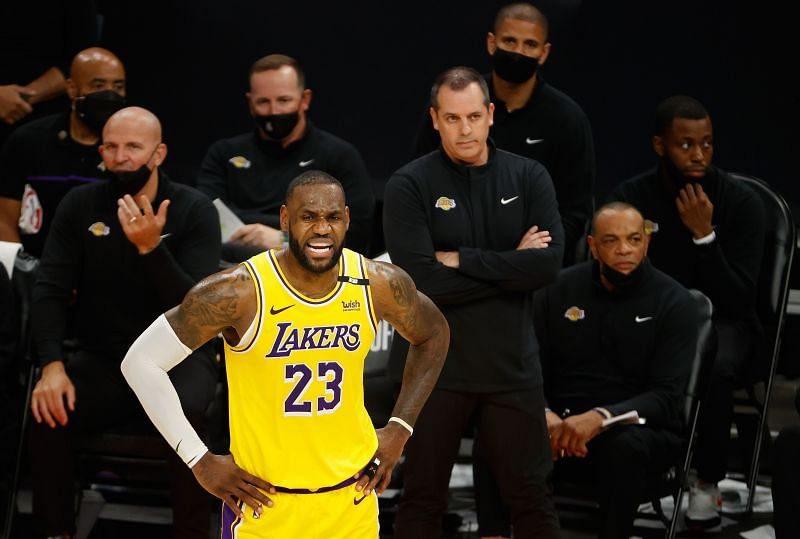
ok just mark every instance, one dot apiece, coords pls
pixel 128 182
pixel 513 67
pixel 278 126
pixel 620 281
pixel 96 108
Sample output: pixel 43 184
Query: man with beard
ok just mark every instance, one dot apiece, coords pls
pixel 43 160
pixel 297 323
pixel 122 262
pixel 709 235
pixel 534 119
pixel 250 172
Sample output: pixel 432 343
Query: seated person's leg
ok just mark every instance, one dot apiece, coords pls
pixel 716 415
pixel 623 459
pixel 102 399
pixel 195 381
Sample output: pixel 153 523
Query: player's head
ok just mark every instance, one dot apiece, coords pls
pixel 96 87
pixel 618 240
pixel 316 219
pixel 278 98
pixel 683 138
pixel 462 114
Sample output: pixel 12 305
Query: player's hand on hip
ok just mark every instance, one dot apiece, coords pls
pixel 220 476
pixel 47 399
pixel 377 475
pixel 141 226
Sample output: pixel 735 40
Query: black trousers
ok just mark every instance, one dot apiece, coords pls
pixel 617 469
pixel 513 438
pixel 734 347
pixel 104 400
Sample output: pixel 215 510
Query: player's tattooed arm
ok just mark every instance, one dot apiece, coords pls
pixel 414 316
pixel 223 302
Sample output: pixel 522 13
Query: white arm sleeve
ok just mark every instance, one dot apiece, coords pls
pixel 145 368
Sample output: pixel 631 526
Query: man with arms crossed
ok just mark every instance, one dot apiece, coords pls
pixel 297 323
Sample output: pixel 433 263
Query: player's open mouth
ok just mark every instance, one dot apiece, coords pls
pixel 319 249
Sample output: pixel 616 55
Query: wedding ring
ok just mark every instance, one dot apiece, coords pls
pixel 132 219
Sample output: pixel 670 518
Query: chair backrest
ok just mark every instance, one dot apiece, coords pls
pixel 22 280
pixel 702 361
pixel 776 264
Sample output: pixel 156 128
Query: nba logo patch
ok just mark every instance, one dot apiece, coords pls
pixel 573 314
pixel 444 203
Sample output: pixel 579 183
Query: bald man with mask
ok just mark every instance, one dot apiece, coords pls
pixel 44 159
pixel 130 248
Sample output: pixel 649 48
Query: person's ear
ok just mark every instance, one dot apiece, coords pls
pixel 658 145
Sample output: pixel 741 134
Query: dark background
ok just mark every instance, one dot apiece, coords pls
pixel 370 65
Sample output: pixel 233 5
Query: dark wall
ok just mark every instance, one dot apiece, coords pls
pixel 370 65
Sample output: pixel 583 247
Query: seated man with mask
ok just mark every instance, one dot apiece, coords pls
pixel 615 335
pixel 250 172
pixel 44 159
pixel 125 249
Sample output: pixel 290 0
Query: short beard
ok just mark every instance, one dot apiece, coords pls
pixel 302 259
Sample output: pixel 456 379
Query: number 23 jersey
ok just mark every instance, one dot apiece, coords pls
pixel 295 381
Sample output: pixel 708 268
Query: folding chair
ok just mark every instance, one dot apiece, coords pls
pixel 773 293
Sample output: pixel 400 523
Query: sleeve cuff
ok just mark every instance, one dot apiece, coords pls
pixel 705 240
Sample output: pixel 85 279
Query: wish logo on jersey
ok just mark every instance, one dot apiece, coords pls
pixel 291 339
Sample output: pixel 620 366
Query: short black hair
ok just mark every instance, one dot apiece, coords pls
pixel 458 78
pixel 522 11
pixel 616 205
pixel 677 106
pixel 277 61
pixel 312 177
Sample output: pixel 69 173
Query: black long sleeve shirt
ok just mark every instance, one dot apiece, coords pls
pixel 726 270
pixel 623 350
pixel 118 291
pixel 251 175
pixel 433 204
pixel 552 129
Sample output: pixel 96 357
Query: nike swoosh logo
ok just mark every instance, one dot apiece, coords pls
pixel 643 318
pixel 505 201
pixel 533 140
pixel 274 311
pixel 357 501
pixel 305 163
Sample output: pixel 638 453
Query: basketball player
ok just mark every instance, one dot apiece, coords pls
pixel 297 323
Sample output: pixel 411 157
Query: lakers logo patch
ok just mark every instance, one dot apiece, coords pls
pixel 650 227
pixel 444 203
pixel 573 314
pixel 239 162
pixel 99 229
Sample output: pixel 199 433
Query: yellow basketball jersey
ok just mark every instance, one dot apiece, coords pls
pixel 296 392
